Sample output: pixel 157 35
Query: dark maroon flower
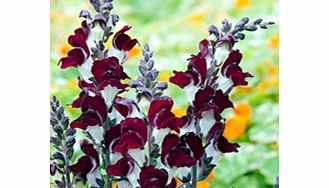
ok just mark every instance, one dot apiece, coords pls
pixel 150 177
pixel 125 167
pixel 87 165
pixel 181 152
pixel 121 168
pixel 112 137
pixel 80 53
pixel 94 112
pixel 133 135
pixel 160 115
pixel 231 73
pixel 224 146
pixel 196 72
pixel 122 41
pixel 107 70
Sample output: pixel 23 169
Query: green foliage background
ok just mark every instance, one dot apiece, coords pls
pixel 173 28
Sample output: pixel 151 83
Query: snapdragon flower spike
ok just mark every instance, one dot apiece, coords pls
pixel 87 166
pixel 150 177
pixel 178 152
pixel 94 114
pixel 162 119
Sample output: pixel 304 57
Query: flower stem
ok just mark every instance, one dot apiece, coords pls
pixel 149 136
pixel 107 161
pixel 67 172
pixel 194 176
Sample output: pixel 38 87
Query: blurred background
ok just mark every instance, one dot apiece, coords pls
pixel 173 28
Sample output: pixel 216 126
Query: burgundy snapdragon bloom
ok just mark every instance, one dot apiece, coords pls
pixel 217 143
pixel 150 177
pixel 125 167
pixel 94 111
pixel 80 53
pixel 87 165
pixel 108 71
pixel 182 151
pixel 133 135
pixel 122 167
pixel 196 69
pixel 231 73
pixel 160 115
pixel 208 106
pixel 122 41
pixel 123 108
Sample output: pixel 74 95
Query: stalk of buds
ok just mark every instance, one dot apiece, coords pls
pixel 148 148
pixel 63 140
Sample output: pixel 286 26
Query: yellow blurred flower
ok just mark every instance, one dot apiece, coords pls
pixel 73 83
pixel 164 76
pixel 63 49
pixel 179 112
pixel 53 88
pixel 236 125
pixel 240 4
pixel 196 17
pixel 274 41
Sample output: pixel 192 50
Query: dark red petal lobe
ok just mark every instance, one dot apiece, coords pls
pixel 135 125
pixel 129 140
pixel 231 69
pixel 172 184
pixel 123 41
pixel 222 101
pixel 198 64
pixel 84 165
pixel 95 104
pixel 150 177
pixel 88 149
pixel 68 61
pixel 156 106
pixel 180 79
pixel 215 131
pixel 123 106
pixel 179 158
pixel 112 136
pixel 224 146
pixel 169 142
pixel 203 46
pixel 202 97
pixel 195 143
pixel 121 168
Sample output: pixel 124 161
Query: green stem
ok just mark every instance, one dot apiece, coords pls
pixel 194 176
pixel 107 162
pixel 149 136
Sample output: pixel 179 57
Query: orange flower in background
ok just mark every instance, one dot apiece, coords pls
pixel 135 51
pixel 63 49
pixel 200 184
pixel 274 41
pixel 240 4
pixel 236 125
